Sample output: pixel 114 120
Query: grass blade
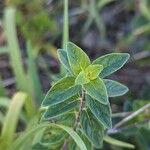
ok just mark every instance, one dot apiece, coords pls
pixel 33 75
pixel 12 118
pixel 116 142
pixel 13 49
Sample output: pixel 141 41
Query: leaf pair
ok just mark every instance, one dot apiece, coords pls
pixel 78 63
pixel 89 74
pixel 74 58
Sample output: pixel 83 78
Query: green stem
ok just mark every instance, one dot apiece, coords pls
pixel 66 24
pixel 65 31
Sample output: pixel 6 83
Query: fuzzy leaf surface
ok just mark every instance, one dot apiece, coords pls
pixel 100 111
pixel 81 78
pixel 111 62
pixel 115 88
pixel 78 59
pixel 62 56
pixel 96 89
pixel 61 108
pixel 73 146
pixel 92 128
pixel 93 71
pixel 61 91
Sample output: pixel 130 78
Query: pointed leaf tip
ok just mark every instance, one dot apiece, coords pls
pixel 78 59
pixel 111 62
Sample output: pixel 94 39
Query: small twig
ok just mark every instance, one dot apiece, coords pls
pixel 141 55
pixel 64 147
pixel 132 116
pixel 129 127
pixel 121 114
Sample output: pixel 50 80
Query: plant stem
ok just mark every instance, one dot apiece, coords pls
pixel 64 147
pixel 121 114
pixel 65 31
pixel 80 110
pixel 128 128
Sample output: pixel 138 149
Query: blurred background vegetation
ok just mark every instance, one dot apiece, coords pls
pixel 31 31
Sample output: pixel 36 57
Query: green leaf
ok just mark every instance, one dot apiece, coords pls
pixel 61 91
pixel 115 88
pixel 92 128
pixel 21 141
pixel 67 119
pixel 61 108
pixel 40 146
pixel 62 56
pixel 46 139
pixel 33 74
pixel 11 119
pixel 93 71
pixel 14 50
pixel 85 139
pixel 96 89
pixel 81 78
pixel 75 136
pixel 111 62
pixel 90 73
pixel 100 111
pixel 78 59
pixel 116 142
pixel 73 146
